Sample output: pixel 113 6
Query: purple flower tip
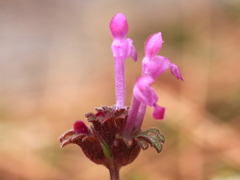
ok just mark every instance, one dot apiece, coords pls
pixel 80 127
pixel 153 45
pixel 158 112
pixel 119 26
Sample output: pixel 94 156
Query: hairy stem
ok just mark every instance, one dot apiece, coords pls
pixel 140 116
pixel 132 116
pixel 120 82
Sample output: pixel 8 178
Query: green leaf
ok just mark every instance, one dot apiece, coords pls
pixel 142 143
pixel 151 136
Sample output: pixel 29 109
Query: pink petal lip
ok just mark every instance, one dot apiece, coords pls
pixel 143 92
pixel 158 112
pixel 153 45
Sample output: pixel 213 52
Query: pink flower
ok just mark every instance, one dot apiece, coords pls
pixel 143 92
pixel 114 138
pixel 146 95
pixel 122 49
pixel 154 65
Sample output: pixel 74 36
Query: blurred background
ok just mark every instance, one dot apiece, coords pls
pixel 56 65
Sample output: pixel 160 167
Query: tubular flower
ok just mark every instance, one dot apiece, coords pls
pixel 122 49
pixel 145 94
pixel 115 138
pixel 154 65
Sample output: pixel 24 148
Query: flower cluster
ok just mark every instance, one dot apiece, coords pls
pixel 115 137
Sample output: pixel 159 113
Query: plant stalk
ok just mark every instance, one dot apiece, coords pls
pixel 114 172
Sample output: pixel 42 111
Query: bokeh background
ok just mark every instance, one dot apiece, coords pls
pixel 56 65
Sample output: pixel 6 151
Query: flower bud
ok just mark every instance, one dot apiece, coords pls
pixel 80 127
pixel 119 26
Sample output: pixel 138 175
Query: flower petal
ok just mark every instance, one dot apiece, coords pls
pixel 119 26
pixel 153 45
pixel 131 51
pixel 143 92
pixel 134 53
pixel 158 112
pixel 123 49
pixel 157 66
pixel 80 127
pixel 176 71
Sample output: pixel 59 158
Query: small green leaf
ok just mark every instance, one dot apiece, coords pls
pixel 142 143
pixel 153 137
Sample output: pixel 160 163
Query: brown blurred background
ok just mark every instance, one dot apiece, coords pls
pixel 56 65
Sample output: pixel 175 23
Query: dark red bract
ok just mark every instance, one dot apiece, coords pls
pixel 103 143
